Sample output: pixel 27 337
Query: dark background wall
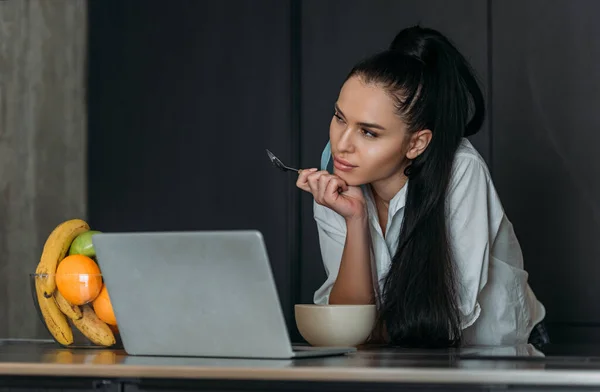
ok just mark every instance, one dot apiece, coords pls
pixel 43 132
pixel 184 96
pixel 546 91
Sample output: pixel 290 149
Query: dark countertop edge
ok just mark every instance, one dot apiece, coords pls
pixel 334 374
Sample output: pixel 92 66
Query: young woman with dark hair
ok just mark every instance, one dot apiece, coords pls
pixel 408 217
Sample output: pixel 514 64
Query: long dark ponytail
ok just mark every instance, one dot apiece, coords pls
pixel 434 88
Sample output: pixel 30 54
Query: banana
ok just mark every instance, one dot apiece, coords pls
pixel 54 319
pixel 54 251
pixel 93 328
pixel 71 311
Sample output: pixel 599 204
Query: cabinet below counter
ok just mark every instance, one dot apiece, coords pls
pixel 41 364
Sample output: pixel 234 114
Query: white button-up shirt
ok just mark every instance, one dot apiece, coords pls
pixel 496 303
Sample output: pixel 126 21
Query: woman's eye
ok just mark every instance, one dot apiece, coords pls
pixel 368 134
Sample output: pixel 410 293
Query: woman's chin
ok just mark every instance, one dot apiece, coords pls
pixel 350 179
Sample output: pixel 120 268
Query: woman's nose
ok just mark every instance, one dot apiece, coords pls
pixel 345 142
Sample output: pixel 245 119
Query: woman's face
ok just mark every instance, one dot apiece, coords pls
pixel 368 138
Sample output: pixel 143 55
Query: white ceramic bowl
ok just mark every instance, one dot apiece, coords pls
pixel 335 325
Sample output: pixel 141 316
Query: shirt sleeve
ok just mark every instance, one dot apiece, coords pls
pixel 331 228
pixel 471 230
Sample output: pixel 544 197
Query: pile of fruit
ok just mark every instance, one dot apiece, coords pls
pixel 69 287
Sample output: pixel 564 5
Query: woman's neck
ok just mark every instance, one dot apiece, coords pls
pixel 385 190
pixel 383 193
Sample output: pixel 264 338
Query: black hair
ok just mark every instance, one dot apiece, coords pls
pixel 434 88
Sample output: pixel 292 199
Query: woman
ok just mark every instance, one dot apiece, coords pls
pixel 409 219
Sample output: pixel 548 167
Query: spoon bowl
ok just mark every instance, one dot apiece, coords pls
pixel 278 164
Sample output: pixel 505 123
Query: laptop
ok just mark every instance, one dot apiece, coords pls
pixel 198 294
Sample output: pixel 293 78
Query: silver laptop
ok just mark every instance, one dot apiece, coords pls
pixel 201 294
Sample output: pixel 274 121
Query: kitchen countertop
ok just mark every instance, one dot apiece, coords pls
pixel 521 365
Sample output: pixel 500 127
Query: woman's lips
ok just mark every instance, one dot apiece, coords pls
pixel 343 165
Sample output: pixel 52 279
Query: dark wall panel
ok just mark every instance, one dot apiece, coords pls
pixel 338 33
pixel 184 97
pixel 546 93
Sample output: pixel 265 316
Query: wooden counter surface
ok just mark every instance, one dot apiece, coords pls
pixel 500 365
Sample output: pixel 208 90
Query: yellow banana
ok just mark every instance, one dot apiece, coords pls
pixel 71 311
pixel 93 328
pixel 54 319
pixel 54 251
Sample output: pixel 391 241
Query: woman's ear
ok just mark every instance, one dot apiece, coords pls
pixel 418 143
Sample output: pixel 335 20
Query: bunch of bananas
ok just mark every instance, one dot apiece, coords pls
pixel 56 310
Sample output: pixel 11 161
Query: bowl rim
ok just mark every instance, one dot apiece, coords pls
pixel 334 306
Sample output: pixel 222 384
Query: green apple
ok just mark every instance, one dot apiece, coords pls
pixel 82 244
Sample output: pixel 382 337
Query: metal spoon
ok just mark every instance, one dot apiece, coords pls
pixel 278 164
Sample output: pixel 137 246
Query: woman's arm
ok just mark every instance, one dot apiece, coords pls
pixel 345 250
pixel 342 220
pixel 354 283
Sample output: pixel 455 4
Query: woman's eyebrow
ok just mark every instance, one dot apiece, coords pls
pixel 362 124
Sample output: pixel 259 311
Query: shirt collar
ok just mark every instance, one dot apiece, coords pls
pixel 396 204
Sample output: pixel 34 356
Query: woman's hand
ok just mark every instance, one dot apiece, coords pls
pixel 331 191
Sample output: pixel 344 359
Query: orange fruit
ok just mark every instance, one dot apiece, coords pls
pixel 103 307
pixel 78 279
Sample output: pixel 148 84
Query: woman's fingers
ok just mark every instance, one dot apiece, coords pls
pixel 313 182
pixel 323 182
pixel 324 186
pixel 302 181
pixel 333 189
